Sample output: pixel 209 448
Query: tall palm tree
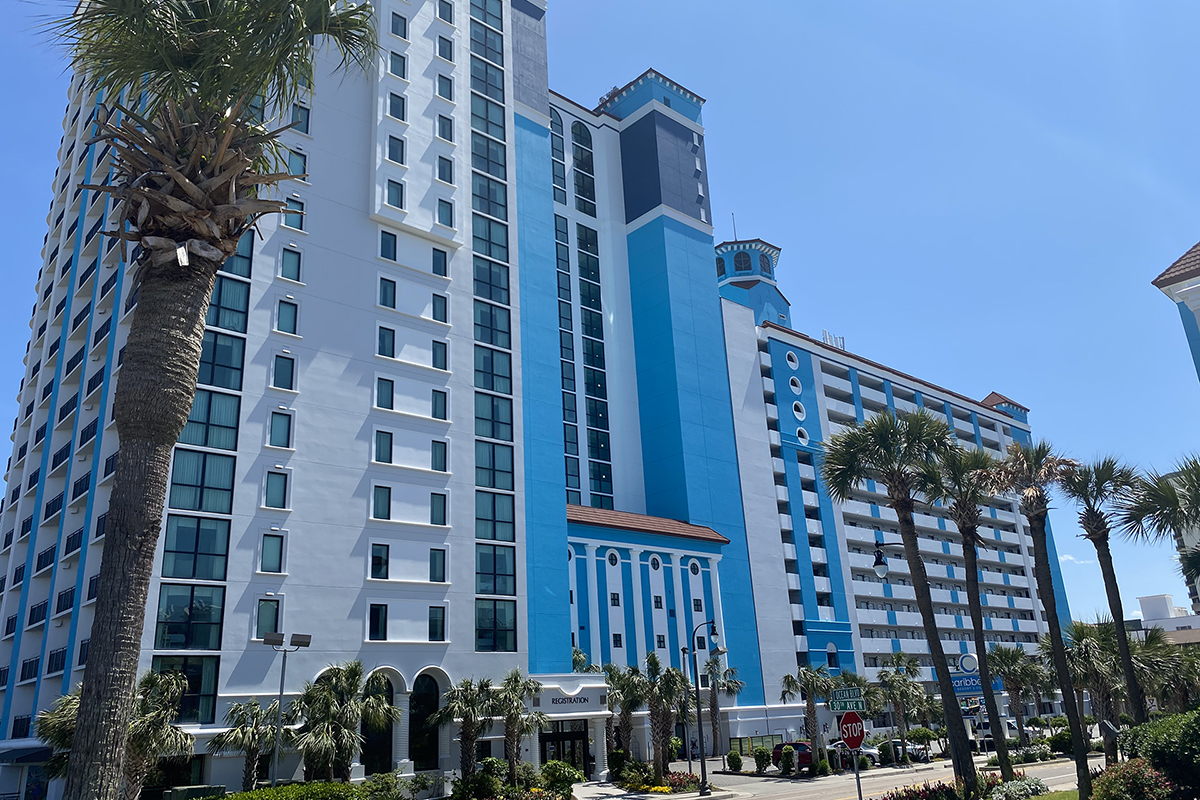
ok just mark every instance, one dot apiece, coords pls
pixel 1091 648
pixel 893 450
pixel 666 691
pixel 721 681
pixel 1031 471
pixel 809 683
pixel 190 160
pixel 1163 507
pixel 631 689
pixel 1019 674
pixel 334 709
pixel 471 704
pixel 250 731
pixel 581 663
pixel 872 694
pixel 899 686
pixel 152 732
pixel 1095 488
pixel 510 698
pixel 959 479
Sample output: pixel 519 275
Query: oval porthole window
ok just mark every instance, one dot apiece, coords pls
pixel 798 410
pixel 741 262
pixel 792 360
pixel 654 563
pixel 695 568
pixel 612 559
pixel 797 388
pixel 570 555
pixel 802 435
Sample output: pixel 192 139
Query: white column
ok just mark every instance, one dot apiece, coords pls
pixel 682 614
pixel 400 730
pixel 639 608
pixel 598 747
pixel 714 563
pixel 573 582
pixel 594 606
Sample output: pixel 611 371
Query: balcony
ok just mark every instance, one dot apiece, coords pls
pixel 785 522
pixel 818 555
pixel 44 559
pixel 37 614
pixel 65 601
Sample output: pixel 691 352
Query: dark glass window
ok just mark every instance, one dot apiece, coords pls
pixel 587 239
pixel 487 44
pixel 378 622
pixel 445 170
pixel 195 548
pixel 491 280
pixel 594 383
pixel 583 160
pixel 383 447
pixel 387 245
pixel 589 295
pixel 445 48
pixel 293 215
pixel 387 292
pixel 199 703
pixel 289 266
pixel 437 509
pixel 445 87
pixel 487 155
pixel 492 324
pixel 437 456
pixel 571 439
pixel 489 237
pixel 581 135
pixel 569 409
pixel 189 617
pixel 439 262
pixel 272 553
pixel 489 196
pixel 487 117
pixel 385 390
pixel 445 128
pixel 437 624
pixel 564 285
pixel 213 421
pixel 568 376
pixel 240 262
pixel 598 445
pixel 495 626
pixel 495 516
pixel 493 465
pixel 202 482
pixel 277 490
pixel 301 116
pixel 593 353
pixel 439 309
pixel 741 262
pixel 561 228
pixel 437 565
pixel 229 303
pixel 221 361
pixel 493 370
pixel 720 267
pixel 445 213
pixel 495 569
pixel 281 429
pixel 268 618
pixel 284 374
pixel 489 11
pixel 597 414
pixel 592 323
pixel 381 502
pixel 439 355
pixel 379 561
pixel 400 26
pixel 386 344
pixel 566 345
pixel 396 106
pixel 589 267
pixel 438 405
pixel 564 315
pixel 601 477
pixel 397 65
pixel 493 417
pixel 395 194
pixel 286 320
pixel 487 79
pixel 297 163
pixel 572 468
pixel 395 149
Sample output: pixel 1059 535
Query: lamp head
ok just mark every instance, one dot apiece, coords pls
pixel 273 639
pixel 301 639
pixel 718 652
pixel 712 630
pixel 881 567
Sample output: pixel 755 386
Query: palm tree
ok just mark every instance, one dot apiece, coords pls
pixel 959 479
pixel 510 698
pixel 1031 471
pixel 809 683
pixel 471 704
pixel 893 450
pixel 188 173
pixel 334 710
pixel 152 733
pixel 1090 656
pixel 666 691
pixel 872 694
pixel 250 731
pixel 1095 488
pixel 631 689
pixel 580 662
pixel 721 681
pixel 1019 674
pixel 896 681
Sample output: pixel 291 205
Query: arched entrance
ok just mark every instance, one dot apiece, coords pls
pixel 423 737
pixel 377 742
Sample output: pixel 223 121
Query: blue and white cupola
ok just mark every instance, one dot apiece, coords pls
pixel 746 275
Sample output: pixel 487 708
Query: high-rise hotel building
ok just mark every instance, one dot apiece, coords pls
pixel 495 394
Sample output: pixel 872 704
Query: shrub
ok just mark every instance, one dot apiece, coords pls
pixel 921 736
pixel 1132 780
pixel 1172 746
pixel 1020 789
pixel 1061 742
pixel 616 762
pixel 496 767
pixel 635 774
pixel 303 791
pixel 675 747
pixel 479 786
pixel 683 781
pixel 1096 746
pixel 528 777
pixel 735 760
pixel 787 761
pixel 559 777
pixel 1031 755
pixel 994 761
pixel 391 786
pixel 821 768
pixel 928 791
pixel 762 760
pixel 886 756
pixel 864 763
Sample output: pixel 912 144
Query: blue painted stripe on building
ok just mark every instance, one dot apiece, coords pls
pixel 1012 602
pixel 946 548
pixel 958 620
pixel 978 434
pixel 887 590
pixel 887 392
pixel 895 645
pixel 891 617
pixel 1191 329
pixel 987 623
pixel 583 583
pixel 673 612
pixel 963 649
pixel 630 638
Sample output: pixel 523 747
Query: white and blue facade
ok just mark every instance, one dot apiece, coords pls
pixel 483 403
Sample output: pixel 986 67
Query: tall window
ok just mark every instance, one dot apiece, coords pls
pixel 493 417
pixel 284 374
pixel 495 626
pixel 293 215
pixel 229 304
pixel 437 624
pixel 437 456
pixel 437 565
pixel 289 266
pixel 439 355
pixel 277 490
pixel 195 548
pixel 268 618
pixel 272 553
pixel 384 392
pixel 199 701
pixel 395 149
pixel 189 617
pixel 495 516
pixel 493 465
pixel 438 405
pixel 213 421
pixel 437 509
pixel 386 345
pixel 221 360
pixel 379 561
pixel 281 429
pixel 381 507
pixel 383 447
pixel 202 482
pixel 495 569
pixel 378 622
pixel 387 292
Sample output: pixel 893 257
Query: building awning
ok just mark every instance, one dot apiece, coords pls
pixel 26 754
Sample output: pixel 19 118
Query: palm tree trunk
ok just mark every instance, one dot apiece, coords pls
pixel 960 749
pixel 153 399
pixel 714 721
pixel 999 730
pixel 1018 709
pixel 625 727
pixel 902 722
pixel 250 771
pixel 1045 584
pixel 610 739
pixel 1137 699
pixel 466 750
pixel 512 742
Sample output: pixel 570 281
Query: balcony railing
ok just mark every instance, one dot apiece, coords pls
pixel 53 506
pixel 80 486
pixel 66 599
pixel 45 558
pixel 72 543
pixel 29 671
pixel 37 614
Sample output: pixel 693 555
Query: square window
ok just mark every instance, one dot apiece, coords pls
pixel 284 374
pixel 189 617
pixel 437 624
pixel 377 630
pixel 195 548
pixel 286 319
pixel 228 304
pixel 277 486
pixel 445 128
pixel 281 429
pixel 398 65
pixel 489 237
pixel 445 170
pixel 660 641
pixel 495 569
pixel 382 503
pixel 397 107
pixel 486 43
pixel 494 466
pixel 614 599
pixel 437 566
pixel 445 48
pixel 268 618
pixel 494 516
pixel 379 561
pixel 395 149
pixel 383 447
pixel 493 417
pixel 439 355
pixel 213 422
pixel 487 117
pixel 491 280
pixel 573 498
pixel 439 308
pixel 616 640
pixel 395 194
pixel 495 626
pixel 437 456
pixel 698 605
pixel 445 213
pixel 399 26
pixel 437 509
pixel 289 265
pixel 201 482
pixel 445 11
pixel 445 87
pixel 300 117
pixel 386 345
pixel 385 390
pixel 489 11
pixel 297 164
pixel 438 405
pixel 493 370
pixel 272 553
pixel 387 292
pixel 487 79
pixel 492 324
pixel 293 215
pixel 387 245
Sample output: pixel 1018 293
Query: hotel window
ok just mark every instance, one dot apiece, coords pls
pixel 272 553
pixel 489 237
pixel 199 702
pixel 387 292
pixel 601 477
pixel 300 116
pixel 438 405
pixel 660 641
pixel 698 606
pixel 229 304
pixel 701 643
pixel 591 323
pixel 493 370
pixel 297 164
pixel 439 262
pixel 386 344
pixel 616 640
pixel 202 482
pixel 445 48
pixel 720 267
pixel 437 566
pixel 495 517
pixel 281 429
pixel 189 617
pixel 445 213
pixel 495 626
pixel 377 625
pixel 437 456
pixel 399 26
pixel 293 216
pixel 437 509
pixel 572 468
pixel 284 374
pixel 213 421
pixel 489 196
pixel 268 618
pixel 568 376
pixel 398 65
pixel 494 466
pixel 741 262
pixel 397 107
pixel 487 117
pixel 589 295
pixel 241 261
pixel 491 280
pixel 387 245
pixel 495 569
pixel 437 624
pixel 381 506
pixel 658 601
pixel 593 353
pixel 285 320
pixel 395 149
pixel 439 355
pixel 487 79
pixel 445 11
pixel 385 391
pixel 487 155
pixel 595 383
pixel 445 128
pixel 598 445
pixel 569 413
pixel 445 170
pixel 445 87
pixel 571 439
pixel 195 548
pixel 395 194
pixel 487 44
pixel 597 414
pixel 277 490
pixel 614 599
pixel 379 561
pixel 492 325
pixel 439 308
pixel 289 265
pixel 383 447
pixel 493 417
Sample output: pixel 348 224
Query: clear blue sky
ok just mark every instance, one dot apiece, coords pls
pixel 976 193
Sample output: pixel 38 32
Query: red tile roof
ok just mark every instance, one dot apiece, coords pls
pixel 624 520
pixel 1187 266
pixel 995 398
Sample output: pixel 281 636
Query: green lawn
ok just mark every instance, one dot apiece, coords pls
pixel 1071 795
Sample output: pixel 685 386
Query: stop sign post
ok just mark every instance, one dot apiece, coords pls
pixel 853 732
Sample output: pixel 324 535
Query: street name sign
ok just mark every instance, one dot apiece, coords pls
pixel 847 700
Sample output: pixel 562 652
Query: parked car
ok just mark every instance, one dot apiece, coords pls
pixel 804 756
pixel 872 753
pixel 916 752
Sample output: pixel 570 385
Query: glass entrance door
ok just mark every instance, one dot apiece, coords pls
pixel 568 742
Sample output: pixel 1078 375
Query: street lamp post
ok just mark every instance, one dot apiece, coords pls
pixel 275 641
pixel 705 789
pixel 686 744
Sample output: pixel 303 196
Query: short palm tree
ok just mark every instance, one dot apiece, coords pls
pixel 152 731
pixel 1031 471
pixel 472 705
pixel 190 161
pixel 510 698
pixel 872 694
pixel 666 693
pixel 1096 488
pixel 250 731
pixel 721 681
pixel 809 683
pixel 1019 674
pixel 959 479
pixel 899 682
pixel 334 709
pixel 1095 667
pixel 893 450
pixel 580 662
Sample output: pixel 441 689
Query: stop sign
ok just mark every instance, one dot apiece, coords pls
pixel 853 731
